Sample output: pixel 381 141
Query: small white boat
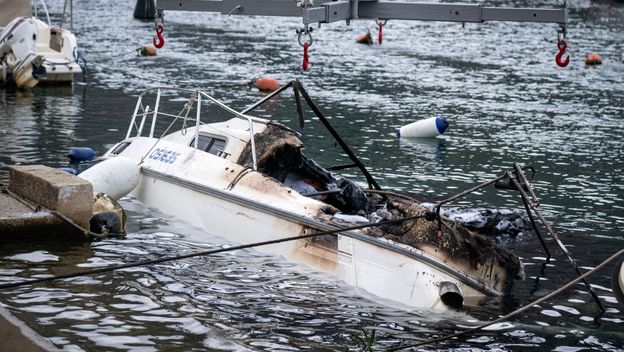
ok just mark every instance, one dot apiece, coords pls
pixel 246 178
pixel 34 51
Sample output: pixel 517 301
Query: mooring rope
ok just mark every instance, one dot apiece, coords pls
pixel 209 252
pixel 515 312
pixel 37 207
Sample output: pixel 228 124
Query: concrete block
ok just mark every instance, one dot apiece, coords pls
pixel 54 189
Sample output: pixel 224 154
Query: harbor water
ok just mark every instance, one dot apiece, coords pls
pixel 496 83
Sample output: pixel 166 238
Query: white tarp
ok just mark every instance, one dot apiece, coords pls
pixel 9 9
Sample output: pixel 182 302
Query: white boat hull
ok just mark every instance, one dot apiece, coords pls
pixel 398 277
pixel 251 212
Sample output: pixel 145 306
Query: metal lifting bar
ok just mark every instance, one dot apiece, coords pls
pixel 327 11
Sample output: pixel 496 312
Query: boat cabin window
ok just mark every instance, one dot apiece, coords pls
pixel 210 144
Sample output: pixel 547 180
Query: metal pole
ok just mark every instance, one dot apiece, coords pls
pixel 151 135
pixel 328 11
pixel 559 243
pixel 198 117
pixel 132 122
pixel 143 121
pixel 371 181
pixel 539 235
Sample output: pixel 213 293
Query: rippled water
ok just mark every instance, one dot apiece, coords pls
pixel 496 83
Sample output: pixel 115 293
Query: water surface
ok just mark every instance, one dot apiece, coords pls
pixel 495 82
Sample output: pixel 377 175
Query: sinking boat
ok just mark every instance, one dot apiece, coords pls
pixel 248 179
pixel 34 51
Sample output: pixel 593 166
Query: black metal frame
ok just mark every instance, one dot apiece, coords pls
pixel 299 90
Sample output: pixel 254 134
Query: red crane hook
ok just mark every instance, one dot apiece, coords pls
pixel 562 45
pixel 304 65
pixel 161 41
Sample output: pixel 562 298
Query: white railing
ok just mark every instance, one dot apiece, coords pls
pixel 195 99
pixel 45 9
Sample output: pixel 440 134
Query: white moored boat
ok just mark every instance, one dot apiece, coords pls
pixel 245 178
pixel 34 51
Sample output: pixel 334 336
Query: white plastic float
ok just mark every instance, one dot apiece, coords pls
pixel 427 128
pixel 116 177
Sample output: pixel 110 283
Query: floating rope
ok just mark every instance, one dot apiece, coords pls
pixel 515 312
pixel 206 253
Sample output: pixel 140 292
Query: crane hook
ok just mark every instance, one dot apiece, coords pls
pixel 161 41
pixel 562 45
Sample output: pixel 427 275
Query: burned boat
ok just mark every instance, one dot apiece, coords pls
pixel 248 179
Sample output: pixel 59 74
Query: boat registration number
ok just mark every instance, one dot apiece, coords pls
pixel 164 155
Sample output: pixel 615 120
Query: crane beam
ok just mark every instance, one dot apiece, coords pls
pixel 325 11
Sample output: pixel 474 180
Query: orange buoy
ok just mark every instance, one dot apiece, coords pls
pixel 267 84
pixel 365 39
pixel 147 50
pixel 593 59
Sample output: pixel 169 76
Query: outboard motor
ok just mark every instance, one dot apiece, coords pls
pixel 18 50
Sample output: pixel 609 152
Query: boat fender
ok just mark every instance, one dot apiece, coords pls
pixel 148 50
pixel 69 170
pixel 427 128
pixel 106 222
pixel 78 154
pixel 115 176
pixel 108 215
pixel 451 295
pixel 267 84
pixel 364 39
pixel 593 59
pixel 617 282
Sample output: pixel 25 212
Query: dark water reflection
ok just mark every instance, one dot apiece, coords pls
pixel 495 82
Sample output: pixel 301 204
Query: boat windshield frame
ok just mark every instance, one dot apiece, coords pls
pixel 196 98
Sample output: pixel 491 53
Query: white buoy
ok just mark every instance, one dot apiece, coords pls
pixel 115 176
pixel 427 128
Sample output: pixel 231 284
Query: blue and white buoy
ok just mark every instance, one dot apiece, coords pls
pixel 427 128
